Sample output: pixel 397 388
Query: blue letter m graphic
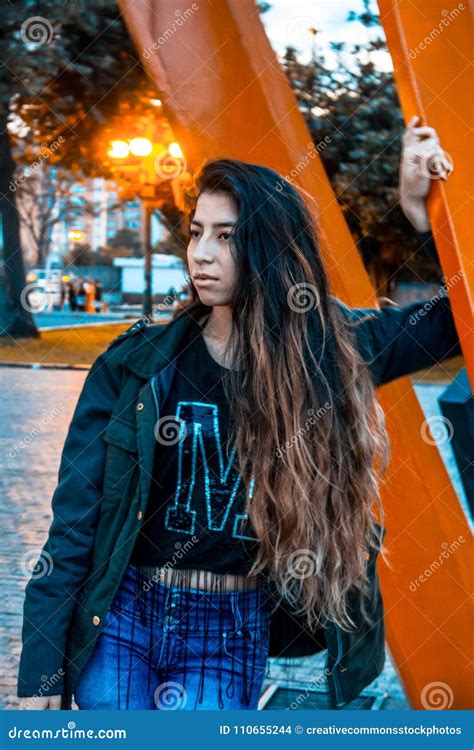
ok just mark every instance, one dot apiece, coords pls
pixel 219 483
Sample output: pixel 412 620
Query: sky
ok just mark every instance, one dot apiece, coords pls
pixel 287 21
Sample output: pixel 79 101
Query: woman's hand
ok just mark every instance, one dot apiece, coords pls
pixel 423 160
pixel 41 703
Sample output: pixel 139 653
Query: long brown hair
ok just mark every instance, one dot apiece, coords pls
pixel 310 435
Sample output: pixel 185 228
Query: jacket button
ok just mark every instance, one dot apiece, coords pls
pixel 140 406
pixel 96 620
pixel 139 515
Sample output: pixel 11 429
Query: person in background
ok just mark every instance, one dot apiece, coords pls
pixel 72 295
pixel 98 295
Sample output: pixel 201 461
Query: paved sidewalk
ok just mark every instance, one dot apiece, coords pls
pixel 36 407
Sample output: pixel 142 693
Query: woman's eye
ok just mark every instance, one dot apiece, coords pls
pixel 225 236
pixel 193 233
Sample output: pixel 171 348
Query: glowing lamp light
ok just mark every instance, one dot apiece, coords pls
pixel 175 150
pixel 75 235
pixel 119 150
pixel 141 146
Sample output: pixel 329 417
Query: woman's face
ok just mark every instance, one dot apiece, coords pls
pixel 209 249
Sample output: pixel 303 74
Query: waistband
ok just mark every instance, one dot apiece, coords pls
pixel 203 580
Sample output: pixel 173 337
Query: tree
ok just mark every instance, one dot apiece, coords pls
pixel 15 317
pixel 354 109
pixel 66 67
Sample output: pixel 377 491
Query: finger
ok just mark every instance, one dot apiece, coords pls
pixel 429 144
pixel 413 121
pixel 425 130
pixel 447 164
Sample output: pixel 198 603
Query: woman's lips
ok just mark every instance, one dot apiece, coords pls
pixel 204 282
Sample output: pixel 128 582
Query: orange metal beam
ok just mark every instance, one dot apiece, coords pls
pixel 431 47
pixel 226 95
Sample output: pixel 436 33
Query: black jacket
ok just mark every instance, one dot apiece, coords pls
pixel 104 482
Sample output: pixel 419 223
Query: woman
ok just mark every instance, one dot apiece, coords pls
pixel 216 490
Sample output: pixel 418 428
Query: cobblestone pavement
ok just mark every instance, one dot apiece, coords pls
pixel 36 407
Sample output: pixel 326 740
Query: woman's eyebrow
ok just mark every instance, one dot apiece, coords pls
pixel 217 224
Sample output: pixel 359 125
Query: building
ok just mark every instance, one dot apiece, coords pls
pixel 98 214
pixel 168 273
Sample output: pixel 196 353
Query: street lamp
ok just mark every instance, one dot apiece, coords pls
pixel 146 151
pixel 141 147
pixel 119 150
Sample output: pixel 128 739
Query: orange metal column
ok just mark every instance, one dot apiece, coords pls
pixel 226 95
pixel 431 47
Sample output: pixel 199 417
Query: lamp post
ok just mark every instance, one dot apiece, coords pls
pixel 139 157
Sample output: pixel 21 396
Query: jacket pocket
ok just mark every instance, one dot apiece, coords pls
pixel 121 461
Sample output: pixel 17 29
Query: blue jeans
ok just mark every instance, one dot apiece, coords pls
pixel 169 648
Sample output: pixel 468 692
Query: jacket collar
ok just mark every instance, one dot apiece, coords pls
pixel 159 344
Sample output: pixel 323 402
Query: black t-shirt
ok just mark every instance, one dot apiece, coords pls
pixel 196 519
